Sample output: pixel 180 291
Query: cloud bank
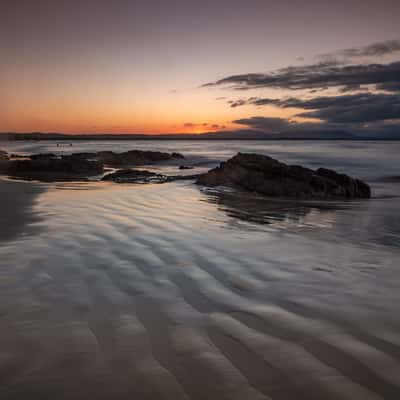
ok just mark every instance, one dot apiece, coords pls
pixel 321 76
pixel 365 99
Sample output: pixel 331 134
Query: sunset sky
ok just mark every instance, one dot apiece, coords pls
pixel 177 66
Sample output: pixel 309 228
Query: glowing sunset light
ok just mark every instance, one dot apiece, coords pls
pixel 185 67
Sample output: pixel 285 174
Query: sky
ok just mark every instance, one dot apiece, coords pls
pixel 96 66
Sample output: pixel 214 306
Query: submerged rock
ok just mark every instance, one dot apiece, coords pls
pixel 186 167
pixel 267 176
pixel 143 176
pixel 134 176
pixel 53 169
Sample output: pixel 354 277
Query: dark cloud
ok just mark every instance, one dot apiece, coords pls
pixel 317 76
pixel 217 126
pixel 203 125
pixel 265 124
pixel 358 108
pixel 373 50
pixel 390 86
pixel 282 128
pixel 355 108
pixel 367 100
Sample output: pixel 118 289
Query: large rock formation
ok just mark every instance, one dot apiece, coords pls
pixel 53 169
pixel 267 176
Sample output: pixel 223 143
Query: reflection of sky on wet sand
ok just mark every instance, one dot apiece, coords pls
pixel 122 289
pixel 273 213
pixel 366 223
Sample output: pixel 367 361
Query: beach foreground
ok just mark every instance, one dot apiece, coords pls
pixel 176 292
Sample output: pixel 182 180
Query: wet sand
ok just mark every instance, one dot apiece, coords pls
pixel 172 292
pixel 148 292
pixel 16 202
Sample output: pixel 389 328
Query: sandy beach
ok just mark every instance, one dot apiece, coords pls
pixel 170 291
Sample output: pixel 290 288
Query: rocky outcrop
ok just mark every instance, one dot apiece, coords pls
pixel 77 166
pixel 132 157
pixel 4 161
pixel 267 176
pixel 143 176
pixel 53 169
pixel 134 176
pixel 42 156
pixel 3 155
pixel 80 156
pixel 135 157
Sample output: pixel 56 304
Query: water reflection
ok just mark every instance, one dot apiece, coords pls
pixel 167 291
pixel 275 213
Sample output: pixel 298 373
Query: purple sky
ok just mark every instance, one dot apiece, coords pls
pixel 136 66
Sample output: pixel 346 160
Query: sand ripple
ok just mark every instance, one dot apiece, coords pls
pixel 157 292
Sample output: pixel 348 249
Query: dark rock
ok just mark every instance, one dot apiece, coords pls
pixel 135 176
pixel 3 155
pixel 80 156
pixel 42 156
pixel 177 155
pixel 135 157
pixel 143 176
pixel 185 167
pixel 13 155
pixel 172 178
pixel 267 176
pixel 53 169
pixel 77 166
pixel 353 188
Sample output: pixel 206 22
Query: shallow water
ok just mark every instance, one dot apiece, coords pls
pixel 171 291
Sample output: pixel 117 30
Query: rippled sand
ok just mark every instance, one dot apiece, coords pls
pixel 170 292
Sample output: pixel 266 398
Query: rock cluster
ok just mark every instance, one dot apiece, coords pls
pixel 267 176
pixel 251 172
pixel 77 166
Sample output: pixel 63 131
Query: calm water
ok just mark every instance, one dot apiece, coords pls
pixel 171 291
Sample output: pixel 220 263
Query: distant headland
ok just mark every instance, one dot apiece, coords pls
pixel 221 135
